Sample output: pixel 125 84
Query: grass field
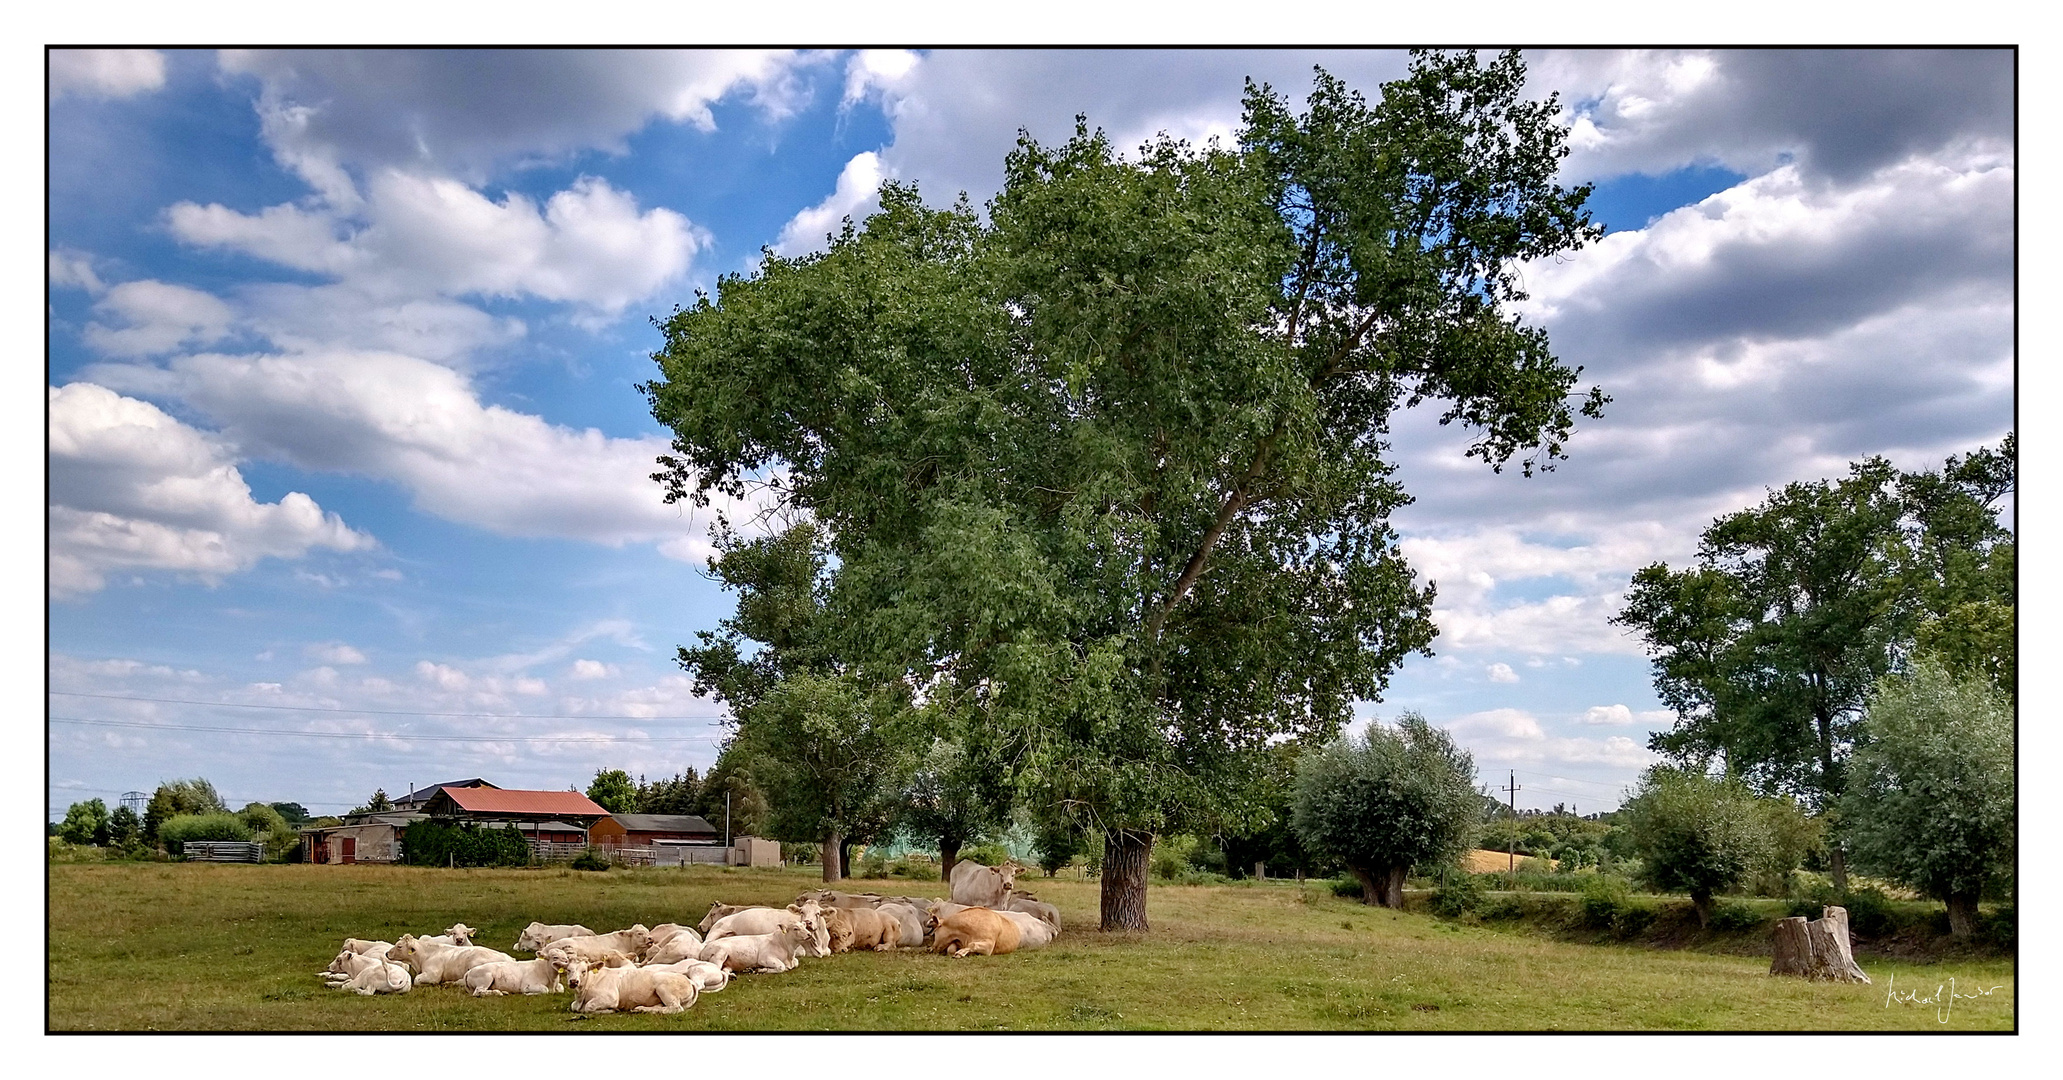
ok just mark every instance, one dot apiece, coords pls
pixel 188 947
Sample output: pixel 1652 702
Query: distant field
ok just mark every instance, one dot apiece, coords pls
pixel 226 947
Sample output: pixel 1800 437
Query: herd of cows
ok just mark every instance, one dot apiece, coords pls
pixel 663 969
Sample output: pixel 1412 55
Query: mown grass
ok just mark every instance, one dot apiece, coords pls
pixel 224 947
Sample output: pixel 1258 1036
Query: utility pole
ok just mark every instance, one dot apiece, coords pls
pixel 1511 794
pixel 727 817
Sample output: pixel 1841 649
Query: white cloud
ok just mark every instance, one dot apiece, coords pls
pixel 1608 714
pixel 592 669
pixel 870 72
pixel 105 73
pixel 1502 673
pixel 74 269
pixel 421 425
pixel 442 676
pixel 156 318
pixel 328 112
pixel 1516 737
pixel 131 488
pixel 854 196
pixel 334 652
pixel 589 244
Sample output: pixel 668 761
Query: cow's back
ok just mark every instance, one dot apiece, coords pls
pixel 976 885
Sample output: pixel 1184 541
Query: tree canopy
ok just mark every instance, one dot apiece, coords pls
pixel 1930 802
pixel 1697 834
pixel 1398 797
pixel 612 790
pixel 1112 460
pixel 1767 646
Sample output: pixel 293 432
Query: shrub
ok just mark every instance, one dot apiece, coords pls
pixel 176 831
pixel 987 854
pixel 914 869
pixel 1734 917
pixel 1631 918
pixel 873 866
pixel 1603 898
pixel 1870 913
pixel 1171 856
pixel 434 843
pixel 590 860
pixel 1347 886
pixel 1458 895
pixel 1393 798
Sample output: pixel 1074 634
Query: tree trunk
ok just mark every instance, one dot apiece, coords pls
pixel 833 844
pixel 1371 888
pixel 1791 948
pixel 948 855
pixel 1702 904
pixel 1816 950
pixel 1831 959
pixel 1393 888
pixel 1962 914
pixel 1260 871
pixel 1837 865
pixel 845 847
pixel 1126 853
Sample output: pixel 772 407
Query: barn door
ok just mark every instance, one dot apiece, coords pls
pixel 350 849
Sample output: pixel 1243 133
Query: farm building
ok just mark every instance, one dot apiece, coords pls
pixel 642 830
pixel 563 812
pixel 374 838
pixel 416 799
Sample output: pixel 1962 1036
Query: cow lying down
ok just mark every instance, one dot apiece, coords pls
pixel 708 978
pixel 632 942
pixel 775 952
pixel 649 990
pixel 977 931
pixel 537 935
pixel 504 977
pixel 367 975
pixel 436 963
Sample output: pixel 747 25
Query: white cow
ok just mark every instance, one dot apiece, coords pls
pixel 911 921
pixel 499 979
pixel 378 977
pixel 774 953
pixel 976 885
pixel 1032 931
pixel 685 945
pixel 1033 906
pixel 537 935
pixel 709 978
pixel 360 945
pixel 348 964
pixel 635 989
pixel 631 942
pixel 435 963
pixel 768 920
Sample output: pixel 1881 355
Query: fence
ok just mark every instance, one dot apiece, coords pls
pixel 656 855
pixel 222 851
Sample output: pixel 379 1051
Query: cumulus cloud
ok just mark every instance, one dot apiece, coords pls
pixel 592 669
pixel 105 73
pixel 423 426
pixel 1502 673
pixel 854 197
pixel 1516 737
pixel 334 652
pixel 462 112
pixel 589 244
pixel 153 317
pixel 1838 112
pixel 132 488
pixel 74 270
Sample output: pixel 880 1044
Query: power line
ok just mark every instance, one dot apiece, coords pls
pixel 382 735
pixel 381 712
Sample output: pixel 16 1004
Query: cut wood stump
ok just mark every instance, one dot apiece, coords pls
pixel 1817 949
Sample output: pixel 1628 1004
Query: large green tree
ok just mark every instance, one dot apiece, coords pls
pixel 1931 794
pixel 958 790
pixel 1767 646
pixel 179 797
pixel 1697 834
pixel 1113 459
pixel 1396 798
pixel 614 791
pixel 86 823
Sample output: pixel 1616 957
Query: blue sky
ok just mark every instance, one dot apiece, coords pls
pixel 344 435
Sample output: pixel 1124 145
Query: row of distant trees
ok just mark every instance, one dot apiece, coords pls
pixel 179 811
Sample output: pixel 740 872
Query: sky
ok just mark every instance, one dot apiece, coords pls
pixel 348 471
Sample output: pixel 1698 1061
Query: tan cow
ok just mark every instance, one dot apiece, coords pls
pixel 647 990
pixel 717 911
pixel 862 928
pixel 831 898
pixel 975 931
pixel 983 886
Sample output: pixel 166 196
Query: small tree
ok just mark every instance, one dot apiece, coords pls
pixel 195 796
pixel 1400 796
pixel 613 790
pixel 1696 834
pixel 955 795
pixel 271 827
pixel 176 832
pixel 125 829
pixel 1931 795
pixel 85 823
pixel 293 812
pixel 378 804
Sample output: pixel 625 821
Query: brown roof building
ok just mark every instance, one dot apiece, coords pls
pixel 508 804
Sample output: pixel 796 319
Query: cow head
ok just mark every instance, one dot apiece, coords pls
pixel 461 934
pixel 405 951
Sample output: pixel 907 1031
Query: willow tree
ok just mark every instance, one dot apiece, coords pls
pixel 1112 458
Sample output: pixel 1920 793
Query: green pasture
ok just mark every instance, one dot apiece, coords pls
pixel 189 947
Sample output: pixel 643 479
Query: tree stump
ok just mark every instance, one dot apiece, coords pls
pixel 1817 949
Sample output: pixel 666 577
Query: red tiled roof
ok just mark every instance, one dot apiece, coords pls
pixel 512 801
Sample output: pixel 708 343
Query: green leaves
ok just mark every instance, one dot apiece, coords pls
pixel 1398 797
pixel 1697 834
